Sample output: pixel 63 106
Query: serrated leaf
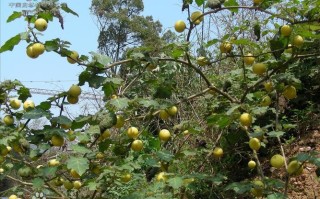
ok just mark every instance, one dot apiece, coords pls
pixel 65 8
pixel 24 93
pixel 14 16
pixel 79 164
pixel 9 45
pixel 175 182
pixel 35 114
pixel 92 186
pixel 63 120
pixel 102 59
pixel 6 140
pixel 149 103
pixel 38 183
pixel 120 103
pixel 276 133
pixel 80 149
pixel 48 171
pixel 165 156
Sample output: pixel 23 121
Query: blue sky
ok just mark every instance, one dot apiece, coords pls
pixel 80 31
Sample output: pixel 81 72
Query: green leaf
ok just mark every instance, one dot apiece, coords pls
pixel 44 106
pixel 220 120
pixel 92 185
pixel 52 45
pixel 14 16
pixel 149 103
pixel 276 133
pixel 239 187
pixel 276 196
pixel 80 149
pixel 38 183
pixel 120 103
pixel 102 59
pixel 211 42
pixel 165 155
pixel 175 182
pixel 65 8
pixel 6 140
pixel 63 120
pixel 114 80
pixel 199 2
pixel 79 164
pixel 232 109
pixel 24 93
pixel 232 3
pixel 9 45
pixel 48 171
pixel 35 114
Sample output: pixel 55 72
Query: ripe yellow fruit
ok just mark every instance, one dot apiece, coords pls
pixel 249 59
pixel 72 99
pixel 28 104
pixel 245 119
pixel 53 162
pixel 202 61
pixel 137 145
pixel 290 92
pixel 277 161
pixel 194 17
pixel 268 86
pixel 161 177
pixel 68 185
pixel 266 101
pixel 254 144
pixel 252 164
pixel 180 26
pixel 163 114
pixel 120 121
pixel 114 96
pixel 57 140
pixel 257 2
pixel 133 132
pixel 74 91
pixel 172 111
pixel 73 57
pixel 164 135
pixel 74 174
pixel 38 48
pixel 298 41
pixel 41 24
pixel 8 120
pixel 31 52
pixel 15 104
pixel 77 184
pixel 257 189
pixel 225 47
pixel 99 155
pixel 285 30
pixel 295 168
pixel 217 152
pixel 126 177
pixel 259 68
pixel 106 134
pixel 13 197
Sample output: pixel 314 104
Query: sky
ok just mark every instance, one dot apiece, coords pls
pixel 50 71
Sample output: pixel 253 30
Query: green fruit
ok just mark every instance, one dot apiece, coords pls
pixel 290 92
pixel 8 120
pixel 24 171
pixel 295 168
pixel 277 161
pixel 249 59
pixel 120 121
pixel 73 57
pixel 259 68
pixel 298 41
pixel 195 17
pixel 163 114
pixel 15 104
pixel 137 145
pixel 68 185
pixel 266 101
pixel 74 91
pixel 254 144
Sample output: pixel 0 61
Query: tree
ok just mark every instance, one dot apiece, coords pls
pixel 214 110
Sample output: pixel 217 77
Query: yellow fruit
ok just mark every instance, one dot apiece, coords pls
pixel 161 177
pixel 151 66
pixel 202 61
pixel 58 181
pixel 298 41
pixel 31 52
pixel 5 150
pixel 74 91
pixel 252 164
pixel 71 135
pixel 106 134
pixel 137 145
pixel 126 177
pixel 8 120
pixel 290 92
pixel 186 132
pixel 72 99
pixel 257 2
pixel 1 170
pixel 163 114
pixel 295 168
pixel 225 47
pixel 259 68
pixel 73 57
pixel 180 26
pixel 187 181
pixel 13 197
pixel 254 144
pixel 38 48
pixel 245 119
pixel 66 126
pixel 289 49
pixel 41 24
pixel 172 111
pixel 74 174
pixel 164 135
pixel 266 101
pixel 100 155
pixel 120 121
pixel 217 152
pixel 67 185
pixel 277 161
pixel 15 104
pixel 133 132
pixel 57 140
pixel 258 188
pixel 114 97
pixel 195 17
pixel 77 184
pixel 285 30
pixel 53 162
pixel 249 59
pixel 96 170
pixel 268 86
pixel 28 104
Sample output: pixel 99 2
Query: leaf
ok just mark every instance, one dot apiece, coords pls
pixel 80 149
pixel 120 103
pixel 65 8
pixel 239 187
pixel 219 120
pixel 79 164
pixel 114 80
pixel 232 109
pixel 52 45
pixel 102 59
pixel 24 93
pixel 199 2
pixel 149 103
pixel 63 120
pixel 276 196
pixel 232 3
pixel 211 42
pixel 35 114
pixel 165 156
pixel 92 185
pixel 48 171
pixel 276 133
pixel 175 182
pixel 14 16
pixel 44 106
pixel 38 183
pixel 9 45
